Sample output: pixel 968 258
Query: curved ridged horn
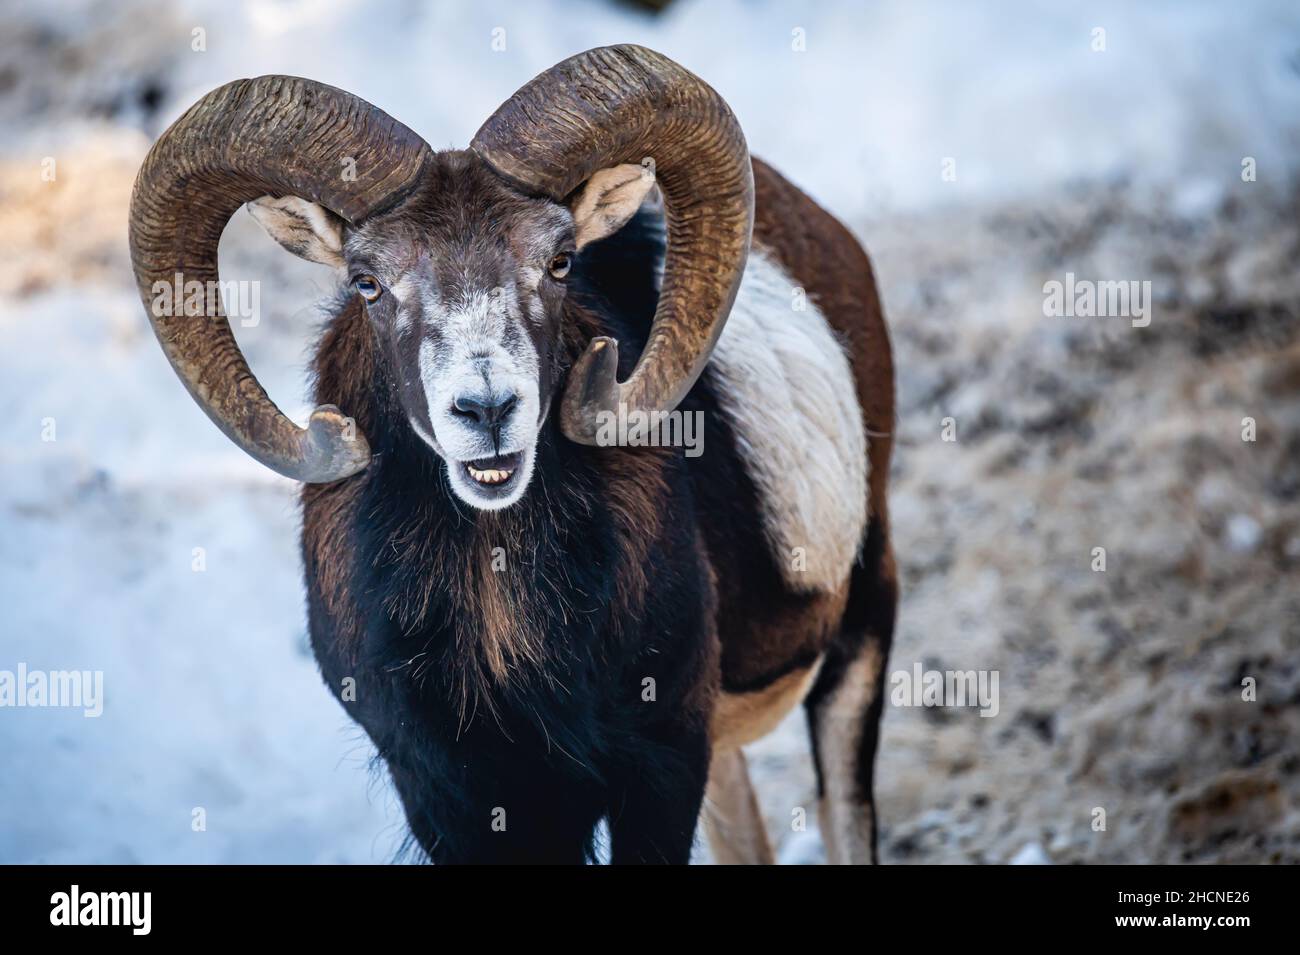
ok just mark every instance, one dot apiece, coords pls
pixel 626 104
pixel 273 135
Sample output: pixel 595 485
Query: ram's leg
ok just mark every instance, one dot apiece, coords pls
pixel 844 707
pixel 844 720
pixel 655 805
pixel 732 819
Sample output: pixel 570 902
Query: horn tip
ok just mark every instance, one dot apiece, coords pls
pixel 335 447
pixel 593 390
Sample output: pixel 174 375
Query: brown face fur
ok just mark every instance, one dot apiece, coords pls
pixel 468 314
pixel 463 283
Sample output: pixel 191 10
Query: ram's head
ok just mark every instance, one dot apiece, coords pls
pixel 460 257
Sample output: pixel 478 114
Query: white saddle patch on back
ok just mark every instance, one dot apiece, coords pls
pixel 788 391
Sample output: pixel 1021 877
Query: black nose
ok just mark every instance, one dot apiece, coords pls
pixel 489 412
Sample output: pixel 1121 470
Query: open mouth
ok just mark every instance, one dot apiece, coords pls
pixel 495 472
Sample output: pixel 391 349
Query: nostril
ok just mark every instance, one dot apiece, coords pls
pixel 486 414
pixel 504 408
pixel 468 408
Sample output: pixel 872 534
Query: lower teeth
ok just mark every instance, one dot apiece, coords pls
pixel 490 476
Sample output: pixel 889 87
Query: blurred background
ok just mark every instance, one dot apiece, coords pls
pixel 978 151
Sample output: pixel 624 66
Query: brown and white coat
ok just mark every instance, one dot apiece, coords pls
pixel 539 632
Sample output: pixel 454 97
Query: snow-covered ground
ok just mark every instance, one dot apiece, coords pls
pixel 1065 156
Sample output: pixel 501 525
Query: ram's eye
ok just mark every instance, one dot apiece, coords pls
pixel 560 265
pixel 369 287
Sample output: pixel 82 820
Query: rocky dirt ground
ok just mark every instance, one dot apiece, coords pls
pixel 1120 689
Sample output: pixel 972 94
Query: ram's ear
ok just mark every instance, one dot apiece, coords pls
pixel 307 230
pixel 608 200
